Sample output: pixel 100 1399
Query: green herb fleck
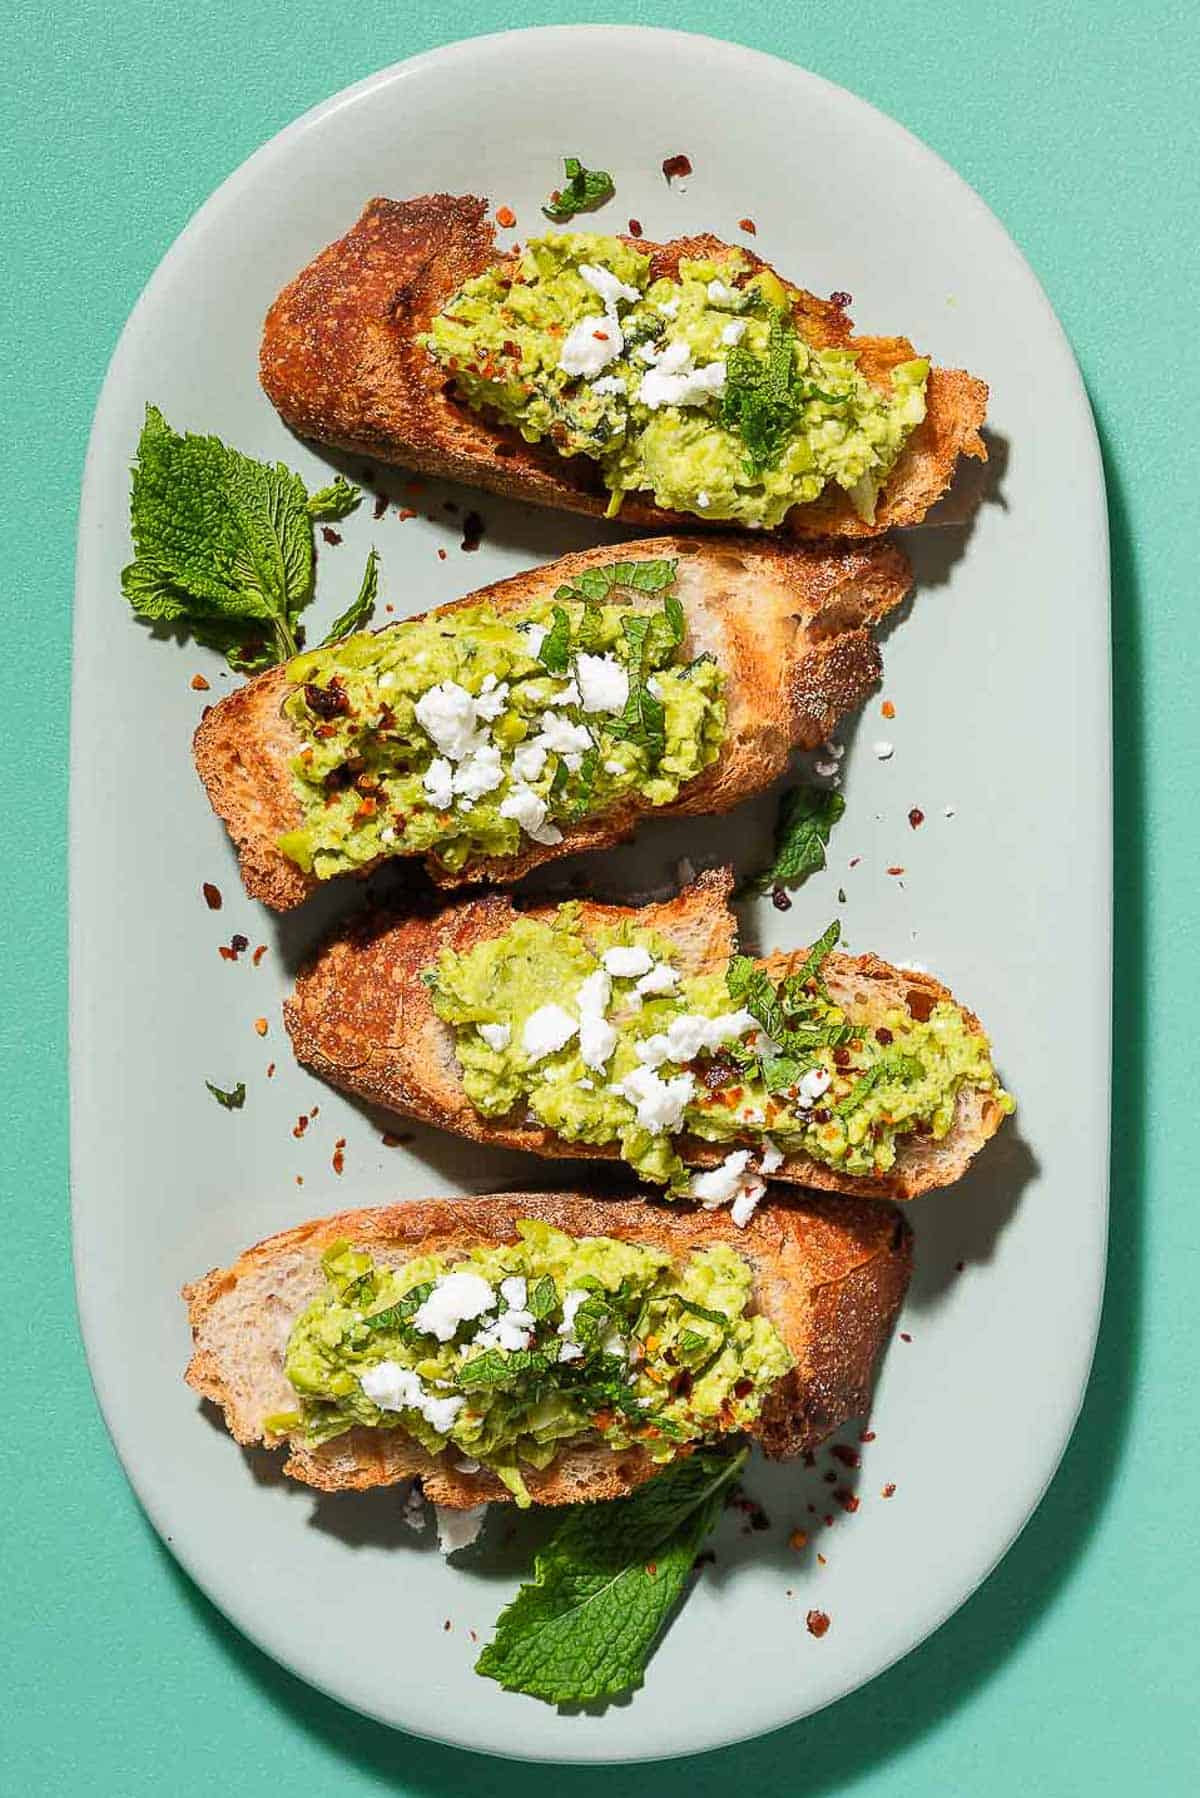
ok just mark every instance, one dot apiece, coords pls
pixel 806 817
pixel 582 191
pixel 360 611
pixel 555 652
pixel 233 1100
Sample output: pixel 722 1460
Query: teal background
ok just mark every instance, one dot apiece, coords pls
pixel 1075 1668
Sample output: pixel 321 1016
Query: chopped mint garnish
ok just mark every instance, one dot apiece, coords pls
pixel 224 543
pixel 233 1100
pixel 806 817
pixel 360 611
pixel 583 190
pixel 583 1628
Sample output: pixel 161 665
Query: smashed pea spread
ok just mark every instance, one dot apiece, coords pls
pixel 696 388
pixel 604 1040
pixel 468 734
pixel 517 1348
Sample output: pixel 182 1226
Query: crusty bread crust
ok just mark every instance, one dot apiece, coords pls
pixel 830 1275
pixel 341 362
pixel 789 624
pixel 362 1018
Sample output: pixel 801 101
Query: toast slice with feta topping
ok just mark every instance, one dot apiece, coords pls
pixel 829 1276
pixel 789 626
pixel 341 360
pixel 363 1017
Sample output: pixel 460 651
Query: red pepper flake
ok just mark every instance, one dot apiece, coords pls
pixel 315 1112
pixel 856 861
pixel 889 1490
pixel 840 299
pixel 600 336
pixel 405 513
pixel 847 1499
pixel 888 709
pixel 904 1336
pixel 883 1035
pixel 849 1457
pixel 472 1635
pixel 330 535
pixel 236 946
pixel 506 216
pixel 822 1560
pixel 270 1070
pixel 748 226
pixel 916 817
pixel 818 1623
pixel 676 165
pixel 300 1126
pixel 199 684
pixel 652 1568
pixel 635 227
pixel 299 1179
pixel 339 1155
pixel 446 1625
pixel 780 899
pixel 895 870
pixel 866 1435
pixel 473 529
pixel 441 555
pixel 261 1025
pixel 212 896
pixel 256 958
pixel 798 1540
pixel 828 1521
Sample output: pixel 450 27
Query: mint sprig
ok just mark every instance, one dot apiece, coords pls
pixel 224 544
pixel 583 1628
pixel 803 826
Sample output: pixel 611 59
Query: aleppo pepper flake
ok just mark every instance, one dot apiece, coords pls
pixel 888 709
pixel 506 216
pixel 330 535
pixel 748 226
pixel 676 165
pixel 916 817
pixel 339 1155
pixel 212 896
pixel 818 1623
pixel 889 1490
pixel 327 702
pixel 256 958
pixel 261 1025
pixel 635 227
pixel 199 684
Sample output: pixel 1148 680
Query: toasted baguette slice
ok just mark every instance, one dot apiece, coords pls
pixel 341 362
pixel 362 1017
pixel 789 624
pixel 830 1276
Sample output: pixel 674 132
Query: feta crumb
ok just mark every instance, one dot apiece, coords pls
pixel 746 1202
pixel 610 287
pixel 523 805
pixel 455 1298
pixel 387 834
pixel 702 500
pixel 771 1158
pixel 884 750
pixel 597 1037
pixel 446 713
pixel 660 979
pixel 614 767
pixel 913 967
pixel 677 382
pixel 528 761
pixel 438 782
pixel 511 1332
pixel 603 683
pixel 627 963
pixel 719 1184
pixel 686 1036
pixel 479 773
pixel 608 384
pixel 396 1388
pixel 660 1104
pixel 654 685
pixel 547 1030
pixel 572 1300
pixel 458 1528
pixel 721 294
pixel 591 345
pixel 734 331
pixel 563 737
pixel 669 308
pixel 490 700
pixel 496 1036
pixel 812 1085
pixel 514 1291
pixel 836 750
pixel 386 680
pixel 567 695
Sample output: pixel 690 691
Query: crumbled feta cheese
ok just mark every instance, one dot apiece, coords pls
pixel 439 784
pixel 734 331
pixel 479 773
pixel 913 967
pixel 496 1036
pixel 721 294
pixel 570 1351
pixel 396 1388
pixel 812 1085
pixel 572 1300
pixel 528 761
pixel 514 1291
pixel 746 1202
pixel 719 1184
pixel 455 1298
pixel 610 287
pixel 563 737
pixel 771 1158
pixel 646 352
pixel 885 751
pixel 836 750
pixel 608 384
pixel 458 1529
pixel 511 1332
pixel 490 700
pixel 386 680
pixel 567 695
pixel 677 382
pixel 669 308
pixel 660 1104
pixel 591 345
pixel 447 714
pixel 627 963
pixel 526 809
pixel 661 978
pixel 687 1035
pixel 597 1037
pixel 387 834
pixel 603 683
pixel 547 1030
pixel 614 767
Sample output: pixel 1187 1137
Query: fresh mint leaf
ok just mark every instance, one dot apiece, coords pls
pixel 361 610
pixel 495 1366
pixel 337 500
pixel 793 990
pixel 806 817
pixel 781 1072
pixel 644 719
pixel 224 544
pixel 233 1100
pixel 758 401
pixel 585 782
pixel 555 652
pixel 543 1298
pixel 582 191
pixel 396 1316
pixel 636 577
pixel 583 1628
